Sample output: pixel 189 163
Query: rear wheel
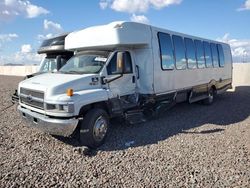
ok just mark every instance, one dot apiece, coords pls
pixel 210 99
pixel 94 128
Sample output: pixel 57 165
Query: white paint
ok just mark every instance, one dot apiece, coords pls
pixel 109 36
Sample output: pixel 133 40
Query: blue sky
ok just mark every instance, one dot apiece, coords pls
pixel 24 24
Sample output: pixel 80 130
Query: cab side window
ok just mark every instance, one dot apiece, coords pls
pixel 111 68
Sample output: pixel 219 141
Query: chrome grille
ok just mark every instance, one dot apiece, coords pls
pixel 38 94
pixel 32 98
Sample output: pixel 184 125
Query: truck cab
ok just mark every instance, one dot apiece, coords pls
pixel 91 88
pixel 55 54
pixel 55 57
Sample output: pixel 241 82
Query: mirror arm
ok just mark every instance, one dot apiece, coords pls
pixel 108 80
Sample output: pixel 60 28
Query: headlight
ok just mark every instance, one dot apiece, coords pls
pixel 69 108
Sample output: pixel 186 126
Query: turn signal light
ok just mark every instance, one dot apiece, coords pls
pixel 70 92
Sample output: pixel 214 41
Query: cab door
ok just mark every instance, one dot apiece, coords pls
pixel 121 83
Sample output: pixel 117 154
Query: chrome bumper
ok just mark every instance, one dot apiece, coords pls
pixel 61 127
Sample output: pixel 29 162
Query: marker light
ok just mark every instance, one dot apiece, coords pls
pixel 70 92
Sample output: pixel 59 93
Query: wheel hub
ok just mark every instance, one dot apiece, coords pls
pixel 100 128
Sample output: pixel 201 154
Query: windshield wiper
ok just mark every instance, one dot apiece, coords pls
pixel 70 72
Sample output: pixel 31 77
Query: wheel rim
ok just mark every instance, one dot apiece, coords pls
pixel 100 128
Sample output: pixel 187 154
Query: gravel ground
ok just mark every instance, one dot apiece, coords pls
pixel 192 146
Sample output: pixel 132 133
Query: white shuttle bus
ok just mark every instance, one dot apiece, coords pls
pixel 123 69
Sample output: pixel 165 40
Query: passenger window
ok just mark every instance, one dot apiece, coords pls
pixel 221 55
pixel 199 53
pixel 166 50
pixel 190 53
pixel 208 56
pixel 111 68
pixel 214 55
pixel 179 50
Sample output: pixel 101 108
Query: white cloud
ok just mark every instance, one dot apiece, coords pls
pixel 51 28
pixel 34 11
pixel 139 18
pixel 246 6
pixel 12 8
pixel 49 25
pixel 164 3
pixel 5 12
pixel 240 47
pixel 130 6
pixel 26 58
pixel 26 48
pixel 104 4
pixel 8 37
pixel 26 55
pixel 4 38
pixel 136 6
pixel 43 37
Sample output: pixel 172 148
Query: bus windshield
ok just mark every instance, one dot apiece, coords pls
pixel 85 63
pixel 48 65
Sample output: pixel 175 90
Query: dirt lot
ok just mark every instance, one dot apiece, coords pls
pixel 192 146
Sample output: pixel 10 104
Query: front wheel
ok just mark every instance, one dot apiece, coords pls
pixel 94 128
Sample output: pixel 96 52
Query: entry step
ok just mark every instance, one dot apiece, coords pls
pixel 135 116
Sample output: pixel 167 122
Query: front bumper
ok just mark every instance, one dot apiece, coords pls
pixel 61 127
pixel 14 97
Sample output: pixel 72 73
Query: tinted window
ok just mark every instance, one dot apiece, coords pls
pixel 190 53
pixel 221 55
pixel 199 53
pixel 215 55
pixel 54 41
pixel 166 50
pixel 111 68
pixel 208 56
pixel 179 49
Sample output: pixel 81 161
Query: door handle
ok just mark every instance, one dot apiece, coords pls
pixel 137 71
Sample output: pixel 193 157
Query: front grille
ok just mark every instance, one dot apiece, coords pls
pixel 37 94
pixel 32 98
pixel 32 103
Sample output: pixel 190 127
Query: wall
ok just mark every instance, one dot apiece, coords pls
pixel 18 70
pixel 241 74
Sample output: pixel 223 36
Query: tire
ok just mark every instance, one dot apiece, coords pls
pixel 210 99
pixel 94 128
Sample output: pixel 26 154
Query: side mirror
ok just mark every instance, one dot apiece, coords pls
pixel 120 62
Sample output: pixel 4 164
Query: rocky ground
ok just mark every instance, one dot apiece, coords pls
pixel 191 146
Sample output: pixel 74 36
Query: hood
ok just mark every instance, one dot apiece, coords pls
pixel 57 83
